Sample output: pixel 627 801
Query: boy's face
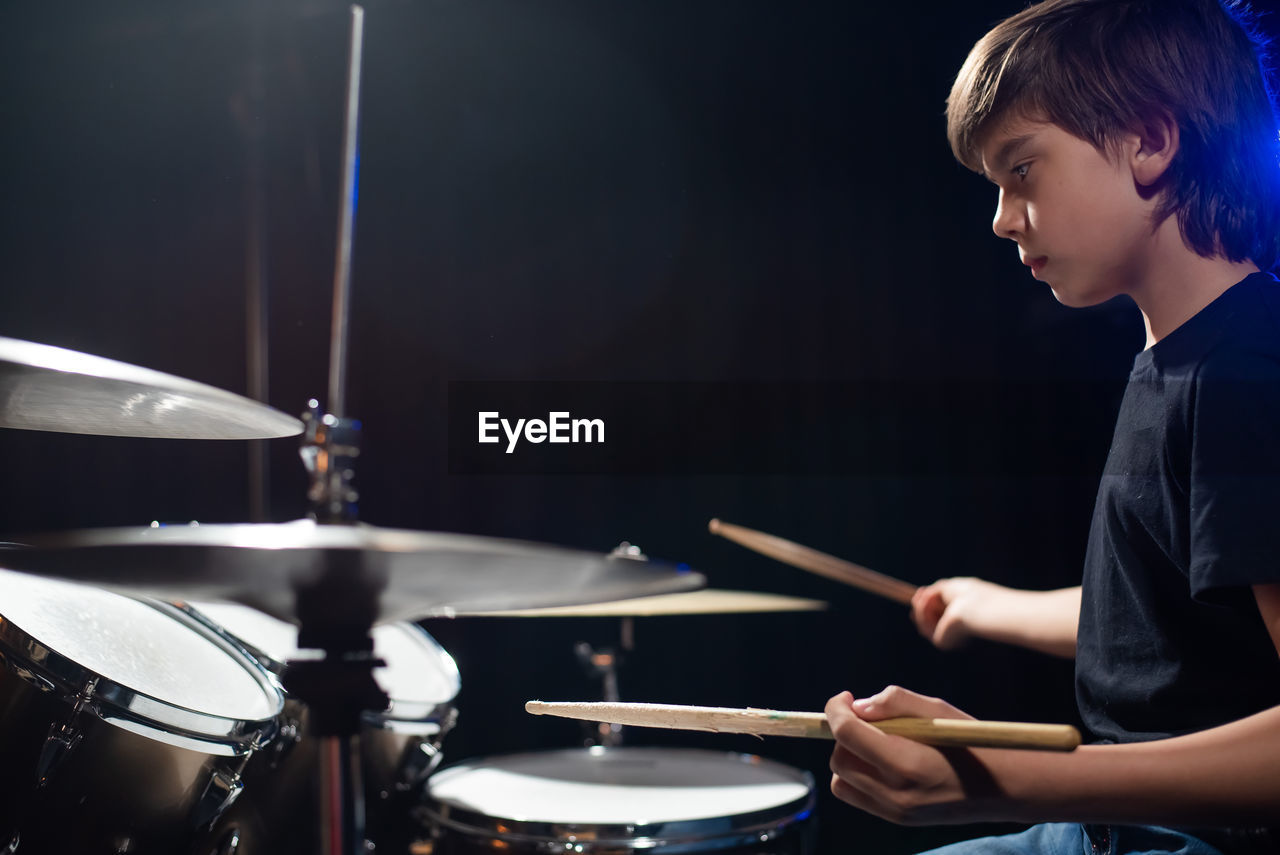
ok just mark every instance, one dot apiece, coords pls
pixel 1076 213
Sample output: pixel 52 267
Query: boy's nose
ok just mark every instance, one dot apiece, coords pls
pixel 1008 219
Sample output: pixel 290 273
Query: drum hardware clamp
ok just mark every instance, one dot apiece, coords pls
pixel 222 790
pixel 421 760
pixel 62 738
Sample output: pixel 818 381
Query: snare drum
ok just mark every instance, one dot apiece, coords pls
pixel 621 800
pixel 123 726
pixel 400 746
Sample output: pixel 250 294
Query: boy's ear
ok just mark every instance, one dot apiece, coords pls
pixel 1153 148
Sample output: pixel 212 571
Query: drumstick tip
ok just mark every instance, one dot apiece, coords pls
pixel 714 526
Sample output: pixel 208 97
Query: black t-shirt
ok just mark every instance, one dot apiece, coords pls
pixel 1187 519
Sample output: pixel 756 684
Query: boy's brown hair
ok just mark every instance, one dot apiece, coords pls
pixel 1102 68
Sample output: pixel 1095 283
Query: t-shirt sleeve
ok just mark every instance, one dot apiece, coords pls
pixel 1235 473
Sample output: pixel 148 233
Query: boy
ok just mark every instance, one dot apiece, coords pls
pixel 1134 147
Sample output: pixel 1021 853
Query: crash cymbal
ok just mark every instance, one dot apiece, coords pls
pixel 418 574
pixel 708 601
pixel 55 389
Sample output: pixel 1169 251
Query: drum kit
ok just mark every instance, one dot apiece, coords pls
pixel 253 688
pixel 265 688
pixel 176 689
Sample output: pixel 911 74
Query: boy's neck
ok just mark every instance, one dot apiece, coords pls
pixel 1178 283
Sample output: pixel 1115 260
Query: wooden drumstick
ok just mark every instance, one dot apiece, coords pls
pixel 816 562
pixel 953 732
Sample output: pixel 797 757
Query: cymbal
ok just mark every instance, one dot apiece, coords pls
pixel 419 574
pixel 709 601
pixel 54 389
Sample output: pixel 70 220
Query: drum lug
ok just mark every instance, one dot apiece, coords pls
pixel 62 738
pixel 421 761
pixel 418 764
pixel 220 793
pixel 57 745
pixel 223 789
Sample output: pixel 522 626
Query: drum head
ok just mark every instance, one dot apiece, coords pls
pixel 158 667
pixel 420 676
pixel 618 796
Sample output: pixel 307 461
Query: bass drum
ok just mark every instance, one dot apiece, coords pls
pixel 399 746
pixel 610 801
pixel 124 725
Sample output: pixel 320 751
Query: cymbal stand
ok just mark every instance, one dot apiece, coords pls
pixel 252 115
pixel 337 606
pixel 336 612
pixel 605 662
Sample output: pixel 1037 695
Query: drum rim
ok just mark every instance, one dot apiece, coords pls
pixel 669 836
pixel 34 662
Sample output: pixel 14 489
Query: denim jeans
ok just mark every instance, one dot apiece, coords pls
pixel 1068 838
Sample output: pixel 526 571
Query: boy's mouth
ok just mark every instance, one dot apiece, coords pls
pixel 1036 264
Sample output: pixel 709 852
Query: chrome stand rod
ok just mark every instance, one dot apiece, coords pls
pixel 346 221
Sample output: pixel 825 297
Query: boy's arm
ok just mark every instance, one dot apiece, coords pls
pixel 1227 775
pixel 1268 597
pixel 952 610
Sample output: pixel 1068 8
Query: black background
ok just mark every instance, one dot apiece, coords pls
pixel 587 193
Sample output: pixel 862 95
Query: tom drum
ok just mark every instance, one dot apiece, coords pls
pixel 124 726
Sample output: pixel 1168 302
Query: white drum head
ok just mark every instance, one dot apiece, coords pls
pixel 419 674
pixel 622 787
pixel 135 645
pixel 274 639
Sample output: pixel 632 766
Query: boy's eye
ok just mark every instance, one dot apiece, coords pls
pixel 1021 170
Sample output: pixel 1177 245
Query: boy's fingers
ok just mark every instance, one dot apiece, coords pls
pixel 863 792
pixel 846 764
pixel 883 753
pixel 926 607
pixel 861 774
pixel 894 701
pixel 850 794
pixel 949 632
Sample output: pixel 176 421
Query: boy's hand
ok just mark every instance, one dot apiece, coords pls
pixel 951 611
pixel 948 611
pixel 895 778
